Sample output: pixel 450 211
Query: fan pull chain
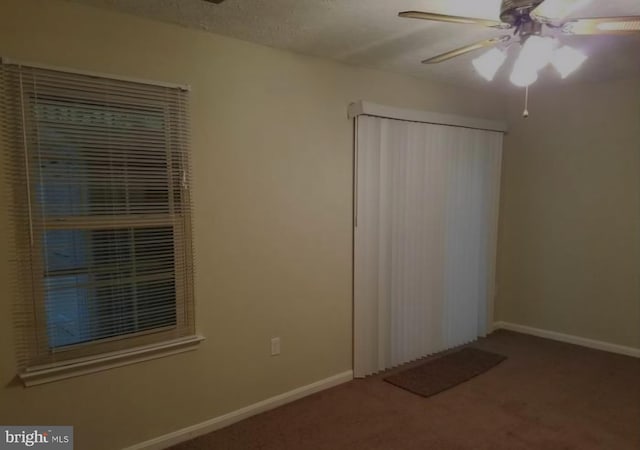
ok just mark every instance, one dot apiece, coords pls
pixel 525 114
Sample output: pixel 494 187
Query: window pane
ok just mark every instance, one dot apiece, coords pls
pixel 101 159
pixel 106 283
pixel 66 303
pixel 65 249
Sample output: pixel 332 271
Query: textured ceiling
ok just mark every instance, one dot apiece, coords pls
pixel 369 33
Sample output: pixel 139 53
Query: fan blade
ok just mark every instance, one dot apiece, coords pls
pixel 603 25
pixel 467 49
pixel 453 19
pixel 554 11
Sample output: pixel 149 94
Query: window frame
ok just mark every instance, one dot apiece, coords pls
pixel 39 365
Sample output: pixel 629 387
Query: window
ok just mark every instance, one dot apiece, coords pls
pixel 100 178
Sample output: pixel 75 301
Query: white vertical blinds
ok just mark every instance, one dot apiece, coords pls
pixel 99 172
pixel 425 237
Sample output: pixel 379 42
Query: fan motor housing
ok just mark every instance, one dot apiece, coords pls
pixel 512 11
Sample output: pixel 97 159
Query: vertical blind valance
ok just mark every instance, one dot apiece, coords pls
pixel 363 108
pixel 99 173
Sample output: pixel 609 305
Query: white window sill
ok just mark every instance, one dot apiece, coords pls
pixel 34 376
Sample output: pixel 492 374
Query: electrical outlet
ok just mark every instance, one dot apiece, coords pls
pixel 275 346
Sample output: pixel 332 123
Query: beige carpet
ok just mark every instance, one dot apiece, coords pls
pixel 545 396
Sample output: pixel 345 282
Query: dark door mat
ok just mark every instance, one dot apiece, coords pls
pixel 445 372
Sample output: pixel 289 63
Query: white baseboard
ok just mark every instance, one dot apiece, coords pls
pixel 568 338
pixel 190 432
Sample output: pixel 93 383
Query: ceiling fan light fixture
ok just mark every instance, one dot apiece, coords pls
pixel 488 64
pixel 523 77
pixel 567 60
pixel 533 22
pixel 536 53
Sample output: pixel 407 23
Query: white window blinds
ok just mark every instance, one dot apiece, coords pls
pixel 99 172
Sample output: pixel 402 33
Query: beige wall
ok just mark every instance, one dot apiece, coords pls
pixel 272 152
pixel 569 252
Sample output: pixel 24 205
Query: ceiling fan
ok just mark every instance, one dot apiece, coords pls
pixel 533 23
